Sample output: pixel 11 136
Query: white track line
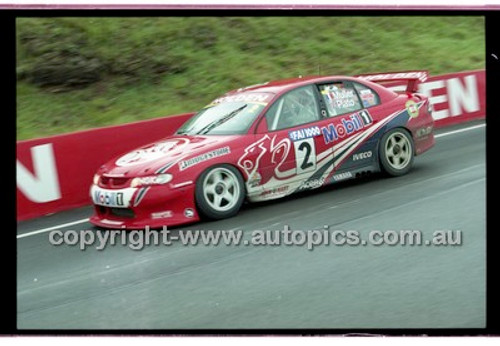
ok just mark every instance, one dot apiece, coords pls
pixel 43 230
pixel 86 220
pixel 458 131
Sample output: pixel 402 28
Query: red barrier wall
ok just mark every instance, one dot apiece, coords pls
pixel 54 173
pixel 456 97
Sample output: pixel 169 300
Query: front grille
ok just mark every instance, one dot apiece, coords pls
pixel 121 212
pixel 119 181
pixel 118 212
pixel 114 182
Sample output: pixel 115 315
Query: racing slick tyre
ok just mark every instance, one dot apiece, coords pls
pixel 396 152
pixel 219 192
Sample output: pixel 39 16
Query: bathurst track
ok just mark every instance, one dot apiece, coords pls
pixel 226 287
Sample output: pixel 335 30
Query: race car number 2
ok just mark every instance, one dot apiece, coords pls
pixel 305 155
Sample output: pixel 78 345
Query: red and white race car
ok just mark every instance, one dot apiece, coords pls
pixel 265 142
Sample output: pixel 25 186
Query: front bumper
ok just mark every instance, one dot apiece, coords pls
pixel 147 207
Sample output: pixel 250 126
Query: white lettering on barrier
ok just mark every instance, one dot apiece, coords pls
pixel 426 89
pixel 43 185
pixel 460 97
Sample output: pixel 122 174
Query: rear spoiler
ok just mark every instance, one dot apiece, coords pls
pixel 413 78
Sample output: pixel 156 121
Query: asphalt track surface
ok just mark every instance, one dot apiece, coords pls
pixel 242 287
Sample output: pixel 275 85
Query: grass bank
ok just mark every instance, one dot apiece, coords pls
pixel 78 73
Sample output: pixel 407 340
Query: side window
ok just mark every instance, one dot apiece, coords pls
pixel 340 98
pixel 368 96
pixel 295 108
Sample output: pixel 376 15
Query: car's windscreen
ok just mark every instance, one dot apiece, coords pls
pixel 228 118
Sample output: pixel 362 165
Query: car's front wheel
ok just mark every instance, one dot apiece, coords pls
pixel 396 152
pixel 219 192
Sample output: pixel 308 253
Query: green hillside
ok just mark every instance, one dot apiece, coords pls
pixel 78 73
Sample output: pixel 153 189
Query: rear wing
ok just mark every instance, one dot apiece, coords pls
pixel 413 78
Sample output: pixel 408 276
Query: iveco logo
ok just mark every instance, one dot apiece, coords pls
pixel 362 156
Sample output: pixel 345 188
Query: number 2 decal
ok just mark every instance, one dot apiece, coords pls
pixel 305 155
pixel 305 146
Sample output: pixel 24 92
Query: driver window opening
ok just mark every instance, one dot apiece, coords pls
pixel 295 108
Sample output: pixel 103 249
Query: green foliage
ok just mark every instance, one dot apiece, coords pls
pixel 77 73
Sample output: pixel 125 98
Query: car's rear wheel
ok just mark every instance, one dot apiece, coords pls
pixel 219 192
pixel 396 152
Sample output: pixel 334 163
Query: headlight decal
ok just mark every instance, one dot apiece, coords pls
pixel 140 195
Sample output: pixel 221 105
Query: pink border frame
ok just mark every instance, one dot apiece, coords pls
pixel 486 7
